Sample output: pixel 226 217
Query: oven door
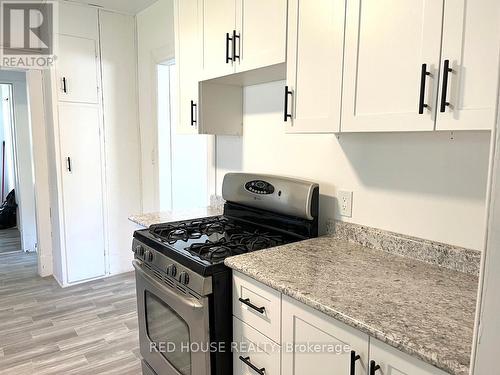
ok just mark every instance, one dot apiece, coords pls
pixel 171 322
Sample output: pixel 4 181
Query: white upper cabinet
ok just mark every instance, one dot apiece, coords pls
pixel 218 26
pixel 242 35
pixel 390 46
pixel 260 37
pixel 188 57
pixel 77 70
pixel 468 91
pixel 314 66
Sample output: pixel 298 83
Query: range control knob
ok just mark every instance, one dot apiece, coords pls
pixel 149 256
pixel 184 278
pixel 139 250
pixel 172 270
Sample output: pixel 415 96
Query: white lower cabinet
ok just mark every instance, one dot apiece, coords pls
pixel 254 353
pixel 311 342
pixel 394 362
pixel 314 343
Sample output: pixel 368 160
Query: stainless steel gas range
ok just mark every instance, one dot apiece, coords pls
pixel 184 289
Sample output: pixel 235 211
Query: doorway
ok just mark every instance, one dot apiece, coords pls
pixel 182 159
pixel 18 229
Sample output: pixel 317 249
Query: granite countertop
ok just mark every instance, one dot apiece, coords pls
pixel 419 308
pixel 148 219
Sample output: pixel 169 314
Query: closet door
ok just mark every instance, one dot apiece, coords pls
pixel 218 26
pixel 314 66
pixel 82 191
pixel 386 87
pixel 77 70
pixel 468 90
pixel 188 60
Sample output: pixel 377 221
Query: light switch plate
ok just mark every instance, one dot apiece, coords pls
pixel 345 203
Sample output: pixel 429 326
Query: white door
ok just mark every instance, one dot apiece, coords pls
pixel 188 57
pixel 77 70
pixel 82 191
pixel 386 87
pixel 314 65
pixel 470 50
pixel 340 345
pixel 218 27
pixel 260 33
pixel 394 362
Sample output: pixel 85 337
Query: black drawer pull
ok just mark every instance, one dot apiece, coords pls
pixel 287 93
pixel 246 361
pixel 228 39
pixel 374 367
pixel 354 358
pixel 68 164
pixel 423 79
pixel 64 85
pixel 444 93
pixel 193 110
pixel 251 305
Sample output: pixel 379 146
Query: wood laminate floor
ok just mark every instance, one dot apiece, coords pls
pixel 86 329
pixel 10 240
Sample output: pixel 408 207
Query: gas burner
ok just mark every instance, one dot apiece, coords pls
pixel 218 250
pixel 189 230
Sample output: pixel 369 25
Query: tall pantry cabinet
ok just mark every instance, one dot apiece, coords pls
pixel 96 158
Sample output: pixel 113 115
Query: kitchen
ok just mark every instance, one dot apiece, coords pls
pixel 368 126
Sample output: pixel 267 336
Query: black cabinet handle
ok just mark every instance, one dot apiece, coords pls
pixel 374 367
pixel 354 358
pixel 236 36
pixel 228 39
pixel 287 93
pixel 64 88
pixel 423 79
pixel 251 305
pixel 193 110
pixel 446 71
pixel 246 361
pixel 68 163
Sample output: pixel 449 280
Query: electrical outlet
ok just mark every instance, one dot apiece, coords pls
pixel 345 203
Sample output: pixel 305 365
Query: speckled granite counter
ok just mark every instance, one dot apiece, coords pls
pixel 146 220
pixel 421 309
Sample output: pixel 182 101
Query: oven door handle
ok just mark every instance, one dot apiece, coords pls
pixel 190 302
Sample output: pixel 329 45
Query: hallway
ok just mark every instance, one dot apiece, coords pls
pixel 10 240
pixel 85 329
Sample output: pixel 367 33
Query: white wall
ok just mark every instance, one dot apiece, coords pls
pixel 155 43
pixel 6 136
pixel 429 185
pixel 121 135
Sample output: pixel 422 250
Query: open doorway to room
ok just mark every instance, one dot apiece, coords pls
pixel 182 159
pixel 18 230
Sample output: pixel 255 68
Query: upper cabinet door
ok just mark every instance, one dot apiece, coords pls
pixel 77 70
pixel 314 65
pixel 188 55
pixel 390 46
pixel 468 91
pixel 260 33
pixel 218 28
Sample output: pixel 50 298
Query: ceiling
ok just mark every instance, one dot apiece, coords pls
pixel 127 6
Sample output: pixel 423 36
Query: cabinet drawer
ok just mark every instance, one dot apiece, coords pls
pixel 257 305
pixel 254 349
